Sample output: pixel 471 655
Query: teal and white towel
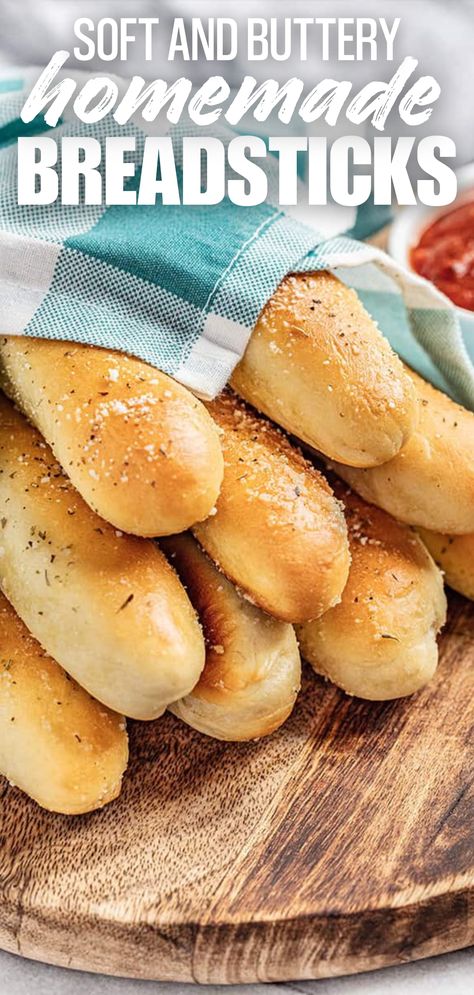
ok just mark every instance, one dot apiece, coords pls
pixel 182 287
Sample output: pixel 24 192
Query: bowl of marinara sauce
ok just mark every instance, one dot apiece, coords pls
pixel 439 245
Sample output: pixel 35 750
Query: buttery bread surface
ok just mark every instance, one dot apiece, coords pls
pixel 278 532
pixel 140 449
pixel 64 749
pixel 106 606
pixel 455 555
pixel 252 673
pixel 317 364
pixel 430 483
pixel 379 642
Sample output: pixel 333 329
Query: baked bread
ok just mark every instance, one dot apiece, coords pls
pixel 106 606
pixel 252 673
pixel 379 642
pixel 455 556
pixel 430 483
pixel 139 448
pixel 317 364
pixel 63 748
pixel 278 532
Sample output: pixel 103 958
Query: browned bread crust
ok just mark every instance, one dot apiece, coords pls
pixel 64 749
pixel 455 555
pixel 278 532
pixel 106 606
pixel 139 448
pixel 252 673
pixel 380 640
pixel 430 483
pixel 317 364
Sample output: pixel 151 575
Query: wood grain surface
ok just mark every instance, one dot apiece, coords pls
pixel 345 842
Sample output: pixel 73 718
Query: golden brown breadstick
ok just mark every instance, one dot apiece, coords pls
pixel 455 556
pixel 380 641
pixel 317 364
pixel 278 533
pixel 252 674
pixel 141 450
pixel 430 483
pixel 106 606
pixel 64 749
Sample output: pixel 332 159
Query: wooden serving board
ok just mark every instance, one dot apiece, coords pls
pixel 343 843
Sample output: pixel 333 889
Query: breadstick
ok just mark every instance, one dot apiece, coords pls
pixel 56 743
pixel 430 483
pixel 455 556
pixel 252 674
pixel 139 448
pixel 380 641
pixel 317 364
pixel 278 532
pixel 106 606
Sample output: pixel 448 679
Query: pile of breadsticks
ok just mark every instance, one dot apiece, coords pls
pixel 157 552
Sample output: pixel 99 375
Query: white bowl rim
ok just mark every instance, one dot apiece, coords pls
pixel 410 221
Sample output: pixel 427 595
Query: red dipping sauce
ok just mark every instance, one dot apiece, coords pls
pixel 445 255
